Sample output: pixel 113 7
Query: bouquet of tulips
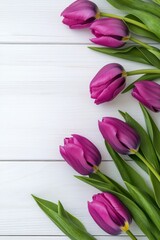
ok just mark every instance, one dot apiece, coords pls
pixel 114 208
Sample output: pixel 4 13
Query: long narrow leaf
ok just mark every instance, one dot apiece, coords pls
pixel 153 131
pixel 149 19
pixel 146 144
pixel 136 4
pixel 140 218
pixel 157 1
pixel 145 202
pixel 71 226
pixel 127 172
pixel 132 53
pixel 140 31
pixel 148 151
pixel 148 76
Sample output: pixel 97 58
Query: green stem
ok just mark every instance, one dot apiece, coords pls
pixel 106 179
pixel 142 43
pixel 130 234
pixel 154 50
pixel 142 71
pixel 141 25
pixel 152 169
pixel 102 176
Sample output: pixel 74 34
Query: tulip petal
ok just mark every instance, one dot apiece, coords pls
pixel 118 206
pixel 109 133
pixel 80 14
pixel 108 41
pixel 111 91
pixel 100 214
pixel 73 155
pixel 110 27
pixel 148 93
pixel 91 153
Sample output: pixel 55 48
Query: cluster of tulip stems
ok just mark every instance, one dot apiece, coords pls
pixel 114 208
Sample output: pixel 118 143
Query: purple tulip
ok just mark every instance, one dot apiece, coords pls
pixel 110 32
pixel 119 135
pixel 109 213
pixel 108 83
pixel 80 14
pixel 81 154
pixel 148 93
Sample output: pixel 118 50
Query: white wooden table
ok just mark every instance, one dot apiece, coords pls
pixel 45 71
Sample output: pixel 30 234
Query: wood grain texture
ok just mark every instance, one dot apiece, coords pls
pixel 44 96
pixel 45 71
pixel 65 238
pixel 20 215
pixel 38 21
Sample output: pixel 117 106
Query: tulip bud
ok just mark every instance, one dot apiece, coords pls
pixel 81 154
pixel 108 83
pixel 109 213
pixel 80 14
pixel 110 32
pixel 148 93
pixel 122 138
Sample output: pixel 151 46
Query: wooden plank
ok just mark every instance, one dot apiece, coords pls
pixel 20 215
pixel 44 96
pixel 65 238
pixel 39 21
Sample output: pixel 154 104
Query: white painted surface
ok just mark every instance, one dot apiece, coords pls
pixel 43 98
pixel 65 238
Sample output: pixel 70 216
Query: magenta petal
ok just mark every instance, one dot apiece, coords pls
pixel 108 41
pixel 148 93
pixel 78 163
pixel 107 83
pixel 110 134
pixel 119 206
pixel 109 212
pixel 100 215
pixel 91 153
pixel 119 135
pixel 110 32
pixel 81 154
pixel 80 14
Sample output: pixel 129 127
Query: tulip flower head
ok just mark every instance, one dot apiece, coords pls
pixel 108 83
pixel 81 154
pixel 148 93
pixel 80 14
pixel 110 32
pixel 121 137
pixel 109 213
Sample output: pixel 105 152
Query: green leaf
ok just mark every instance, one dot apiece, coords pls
pixel 151 57
pixel 153 131
pixel 61 211
pixel 136 4
pixel 145 203
pixel 132 53
pixel 111 183
pixel 127 172
pixel 148 76
pixel 140 31
pixel 157 1
pixel 149 19
pixel 72 227
pixel 140 218
pixel 154 134
pixel 156 187
pixel 148 151
pixel 139 162
pixel 146 145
